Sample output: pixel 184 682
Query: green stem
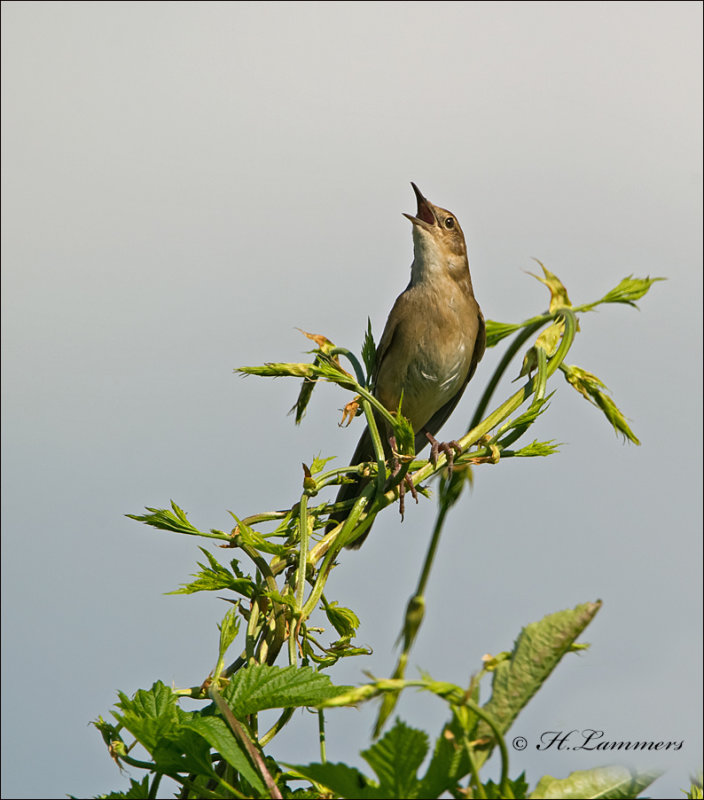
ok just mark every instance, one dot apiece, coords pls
pixel 321 735
pixel 352 358
pixel 378 446
pixel 301 574
pixel 432 548
pixel 276 727
pixel 247 743
pixel 542 376
pixel 335 541
pixel 474 771
pixel 532 326
pixel 505 789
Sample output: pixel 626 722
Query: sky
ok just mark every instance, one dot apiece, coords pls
pixel 184 185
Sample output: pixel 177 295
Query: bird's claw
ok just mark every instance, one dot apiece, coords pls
pixel 449 448
pixel 407 481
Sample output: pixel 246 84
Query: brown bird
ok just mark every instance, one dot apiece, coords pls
pixel 431 345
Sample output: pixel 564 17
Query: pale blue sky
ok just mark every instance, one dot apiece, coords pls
pixel 183 185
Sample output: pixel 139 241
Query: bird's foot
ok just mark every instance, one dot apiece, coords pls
pixel 406 482
pixel 449 448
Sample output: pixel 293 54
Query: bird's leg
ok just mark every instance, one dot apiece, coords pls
pixel 406 482
pixel 449 448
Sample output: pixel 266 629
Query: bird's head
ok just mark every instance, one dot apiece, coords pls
pixel 438 241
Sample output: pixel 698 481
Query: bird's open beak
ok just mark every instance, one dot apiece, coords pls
pixel 425 216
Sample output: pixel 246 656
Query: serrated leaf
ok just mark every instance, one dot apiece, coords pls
pixel 285 599
pixel 590 387
pixel 549 339
pixel 449 763
pixel 274 369
pixel 260 686
pixel 396 758
pixel 182 750
pixel 538 649
pixel 166 520
pixel 255 539
pixel 156 705
pixel 137 791
pixel 518 787
pixel 496 331
pixel 558 293
pixel 304 395
pixel 628 291
pixel 154 719
pixel 535 448
pixel 216 732
pixel 323 368
pixel 344 620
pixel 602 782
pixel 403 431
pixel 215 578
pixel 319 463
pixel 369 350
pixel 340 779
pixel 229 628
pixel 528 417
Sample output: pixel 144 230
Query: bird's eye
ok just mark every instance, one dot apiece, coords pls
pixel 450 222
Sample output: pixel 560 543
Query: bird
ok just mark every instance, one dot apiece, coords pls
pixel 430 347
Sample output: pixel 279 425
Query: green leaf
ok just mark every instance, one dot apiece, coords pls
pixel 137 791
pixel 602 782
pixel 535 448
pixel 149 713
pixel 628 291
pixel 496 331
pixel 323 368
pixel 369 350
pixel 518 786
pixel 395 759
pixel 319 463
pixel 695 788
pixel 449 763
pixel 340 779
pixel 154 719
pixel 558 293
pixel 304 395
pixel 229 628
pixel 218 735
pixel 167 520
pixel 589 386
pixel 538 650
pixel 344 620
pixel 281 370
pixel 182 750
pixel 285 599
pixel 260 686
pixel 549 339
pixel 215 578
pixel 403 431
pixel 255 539
pixel 528 417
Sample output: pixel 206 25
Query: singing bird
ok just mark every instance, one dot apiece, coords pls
pixel 431 345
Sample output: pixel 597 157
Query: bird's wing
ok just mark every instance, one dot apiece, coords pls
pixel 388 334
pixel 440 416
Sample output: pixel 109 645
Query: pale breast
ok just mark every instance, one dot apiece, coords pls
pixel 426 351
